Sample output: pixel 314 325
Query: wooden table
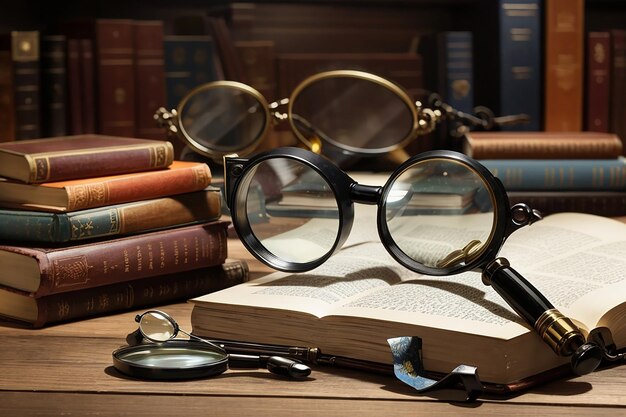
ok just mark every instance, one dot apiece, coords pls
pixel 67 370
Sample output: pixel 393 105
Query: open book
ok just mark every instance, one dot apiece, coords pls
pixel 361 297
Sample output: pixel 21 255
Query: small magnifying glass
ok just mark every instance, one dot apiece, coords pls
pixel 170 358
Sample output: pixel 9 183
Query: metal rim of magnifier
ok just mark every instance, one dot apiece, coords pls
pixel 501 213
pixel 389 85
pixel 216 152
pixel 337 180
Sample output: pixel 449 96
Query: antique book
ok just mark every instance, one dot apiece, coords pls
pixel 598 81
pixel 81 156
pixel 54 85
pixel 258 60
pixel 149 77
pixel 617 106
pixel 57 269
pixel 456 76
pixel 542 145
pixel 360 297
pixel 88 83
pixel 601 203
pixel 7 107
pixel 564 55
pixel 82 304
pixel 180 177
pixel 560 174
pixel 74 88
pixel 108 221
pixel 25 59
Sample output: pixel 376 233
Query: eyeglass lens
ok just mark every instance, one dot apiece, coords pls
pixel 353 112
pixel 223 118
pixel 440 213
pixel 283 197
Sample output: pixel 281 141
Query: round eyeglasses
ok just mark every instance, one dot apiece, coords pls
pixel 439 213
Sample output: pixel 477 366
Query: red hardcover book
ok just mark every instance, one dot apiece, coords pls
pixel 149 77
pixel 53 270
pixel 598 81
pixel 180 177
pixel 90 302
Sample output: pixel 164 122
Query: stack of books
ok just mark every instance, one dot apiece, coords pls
pixel 94 224
pixel 556 171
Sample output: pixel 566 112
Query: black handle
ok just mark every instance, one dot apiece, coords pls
pixel 275 364
pixel 558 331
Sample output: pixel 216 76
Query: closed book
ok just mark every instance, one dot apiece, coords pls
pixel 456 78
pixel 149 77
pixel 119 219
pixel 560 174
pixel 114 46
pixel 564 52
pixel 7 107
pixel 58 269
pixel 617 119
pixel 180 177
pixel 25 61
pixel 82 304
pixel 81 156
pixel 189 62
pixel 542 145
pixel 54 85
pixel 88 86
pixel 598 81
pixel 600 203
pixel 258 60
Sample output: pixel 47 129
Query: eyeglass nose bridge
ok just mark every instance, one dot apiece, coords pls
pixel 365 194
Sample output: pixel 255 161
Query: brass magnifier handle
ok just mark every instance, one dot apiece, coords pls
pixel 557 330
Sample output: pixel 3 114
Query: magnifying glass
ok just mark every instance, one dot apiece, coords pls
pixel 170 359
pixel 439 213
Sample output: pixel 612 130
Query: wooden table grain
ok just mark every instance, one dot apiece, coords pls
pixel 67 370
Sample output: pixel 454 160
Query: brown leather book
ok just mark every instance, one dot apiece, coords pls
pixel 564 52
pixel 110 221
pixel 74 88
pixel 617 119
pixel 82 304
pixel 81 156
pixel 7 107
pixel 258 60
pixel 114 47
pixel 51 270
pixel 88 86
pixel 598 81
pixel 180 177
pixel 542 145
pixel 54 85
pixel 149 77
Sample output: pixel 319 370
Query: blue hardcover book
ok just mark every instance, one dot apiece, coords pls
pixel 456 70
pixel 189 62
pixel 520 61
pixel 559 174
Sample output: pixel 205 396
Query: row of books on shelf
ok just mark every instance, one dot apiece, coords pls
pixel 94 224
pixel 556 171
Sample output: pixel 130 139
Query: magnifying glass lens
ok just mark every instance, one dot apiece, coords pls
pixel 157 327
pixel 352 113
pixel 440 213
pixel 291 209
pixel 223 118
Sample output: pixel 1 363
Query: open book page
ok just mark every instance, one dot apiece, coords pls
pixel 577 261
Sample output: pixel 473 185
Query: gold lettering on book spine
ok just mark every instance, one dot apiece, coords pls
pixel 87 196
pixel 159 156
pixel 70 271
pixel 42 169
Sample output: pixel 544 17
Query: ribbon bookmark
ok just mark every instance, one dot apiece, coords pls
pixel 408 368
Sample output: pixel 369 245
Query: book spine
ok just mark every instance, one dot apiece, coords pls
pixel 60 166
pixel 258 60
pixel 54 85
pixel 134 257
pixel 598 81
pixel 139 293
pixel 520 61
pixel 7 108
pixel 456 66
pixel 26 83
pixel 559 174
pixel 564 65
pixel 88 85
pixel 143 187
pixel 608 204
pixel 148 215
pixel 149 77
pixel 115 77
pixel 520 148
pixel 618 84
pixel 74 87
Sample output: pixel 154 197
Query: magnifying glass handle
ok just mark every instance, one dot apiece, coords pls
pixel 278 365
pixel 557 330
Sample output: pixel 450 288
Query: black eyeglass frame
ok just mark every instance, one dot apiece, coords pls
pixel 347 191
